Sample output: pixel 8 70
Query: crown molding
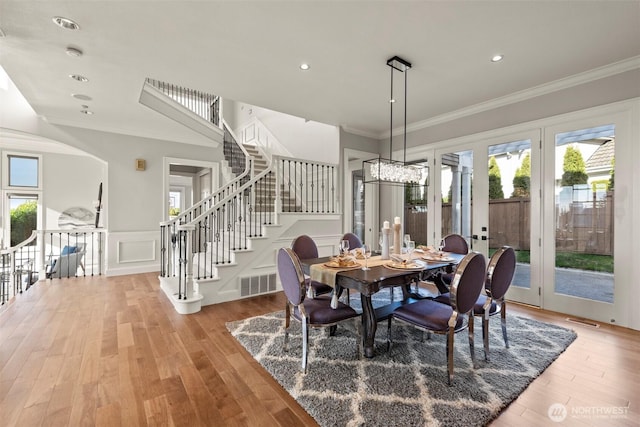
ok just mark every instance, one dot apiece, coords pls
pixel 360 132
pixel 18 140
pixel 554 86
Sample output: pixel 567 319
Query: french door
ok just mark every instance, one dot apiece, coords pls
pixel 489 194
pixel 579 198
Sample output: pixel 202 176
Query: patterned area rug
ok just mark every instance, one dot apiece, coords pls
pixel 406 386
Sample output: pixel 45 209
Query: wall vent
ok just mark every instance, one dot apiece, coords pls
pixel 583 322
pixel 256 285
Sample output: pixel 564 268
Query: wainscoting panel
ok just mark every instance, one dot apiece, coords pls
pixel 133 252
pixel 136 251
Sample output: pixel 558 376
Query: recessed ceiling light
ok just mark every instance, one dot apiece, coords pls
pixel 65 23
pixel 73 51
pixel 78 77
pixel 304 66
pixel 497 58
pixel 81 96
pixel 87 112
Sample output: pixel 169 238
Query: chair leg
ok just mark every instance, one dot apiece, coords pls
pixel 359 342
pixel 472 349
pixel 450 355
pixel 503 321
pixel 389 333
pixel 305 344
pixel 485 333
pixel 287 315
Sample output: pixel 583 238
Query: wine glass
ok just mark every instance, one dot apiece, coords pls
pixel 366 252
pixel 411 246
pixel 344 246
pixel 406 240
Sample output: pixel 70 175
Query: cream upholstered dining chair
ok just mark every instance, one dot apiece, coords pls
pixel 500 271
pixel 316 312
pixel 305 248
pixel 433 316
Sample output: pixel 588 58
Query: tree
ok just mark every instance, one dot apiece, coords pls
pixel 24 219
pixel 573 167
pixel 613 173
pixel 495 182
pixel 522 178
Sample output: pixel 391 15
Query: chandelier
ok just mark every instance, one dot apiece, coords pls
pixel 389 171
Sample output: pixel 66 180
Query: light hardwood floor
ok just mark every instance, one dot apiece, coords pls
pixel 113 352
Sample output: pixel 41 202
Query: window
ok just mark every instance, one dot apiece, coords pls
pixel 23 171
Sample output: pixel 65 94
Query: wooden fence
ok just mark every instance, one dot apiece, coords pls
pixel 585 227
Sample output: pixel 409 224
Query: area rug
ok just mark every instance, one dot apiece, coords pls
pixel 407 385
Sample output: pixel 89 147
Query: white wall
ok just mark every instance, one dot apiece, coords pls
pixel 300 137
pixel 69 181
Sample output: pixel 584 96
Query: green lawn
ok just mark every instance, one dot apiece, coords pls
pixel 580 261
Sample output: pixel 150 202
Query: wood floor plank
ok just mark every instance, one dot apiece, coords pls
pixel 112 351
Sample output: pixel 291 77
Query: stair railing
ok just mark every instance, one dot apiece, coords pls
pixel 307 186
pixel 203 104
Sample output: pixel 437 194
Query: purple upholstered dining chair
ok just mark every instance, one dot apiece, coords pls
pixel 316 312
pixel 499 275
pixel 305 248
pixel 455 243
pixel 433 316
pixel 354 240
pixel 502 267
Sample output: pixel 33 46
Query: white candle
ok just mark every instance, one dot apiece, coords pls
pixel 385 224
pixel 396 220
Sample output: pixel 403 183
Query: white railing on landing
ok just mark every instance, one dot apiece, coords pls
pixel 50 254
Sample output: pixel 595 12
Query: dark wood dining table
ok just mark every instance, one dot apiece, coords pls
pixel 368 282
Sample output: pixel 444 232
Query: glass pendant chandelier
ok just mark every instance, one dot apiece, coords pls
pixel 389 171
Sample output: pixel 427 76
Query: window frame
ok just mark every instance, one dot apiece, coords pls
pixel 6 155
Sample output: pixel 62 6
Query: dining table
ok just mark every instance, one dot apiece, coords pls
pixel 381 274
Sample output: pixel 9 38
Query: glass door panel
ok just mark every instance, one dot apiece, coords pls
pixel 511 211
pixel 456 178
pixel 579 237
pixel 358 207
pixel 584 213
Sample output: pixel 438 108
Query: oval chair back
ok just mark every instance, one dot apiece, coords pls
pixel 354 240
pixel 467 282
pixel 291 276
pixel 455 243
pixel 304 247
pixel 502 267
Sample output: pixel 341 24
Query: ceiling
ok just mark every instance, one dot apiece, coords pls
pixel 251 52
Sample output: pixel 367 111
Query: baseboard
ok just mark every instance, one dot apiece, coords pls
pixel 122 271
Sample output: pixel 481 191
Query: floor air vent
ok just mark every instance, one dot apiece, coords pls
pixel 583 322
pixel 255 285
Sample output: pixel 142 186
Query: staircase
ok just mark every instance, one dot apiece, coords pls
pixel 223 248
